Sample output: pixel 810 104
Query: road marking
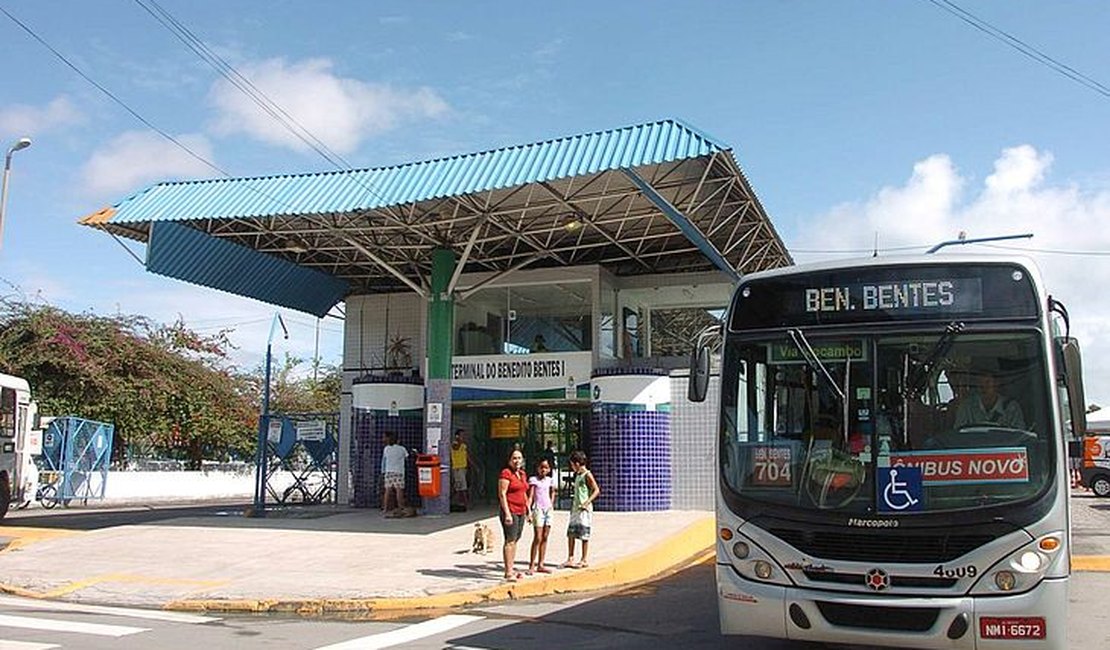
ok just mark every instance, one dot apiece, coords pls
pixel 27 623
pixel 128 578
pixel 1090 562
pixel 405 634
pixel 126 612
pixel 25 645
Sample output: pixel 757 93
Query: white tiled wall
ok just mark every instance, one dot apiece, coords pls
pixel 693 446
pixel 366 335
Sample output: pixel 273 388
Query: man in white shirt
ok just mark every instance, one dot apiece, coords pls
pixel 393 472
pixel 987 406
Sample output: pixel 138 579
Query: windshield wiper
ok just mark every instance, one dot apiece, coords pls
pixel 940 349
pixel 814 363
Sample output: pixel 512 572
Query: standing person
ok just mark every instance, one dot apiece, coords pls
pixel 393 473
pixel 460 462
pixel 512 492
pixel 541 492
pixel 583 494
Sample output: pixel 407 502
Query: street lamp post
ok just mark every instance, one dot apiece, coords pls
pixel 260 474
pixel 19 144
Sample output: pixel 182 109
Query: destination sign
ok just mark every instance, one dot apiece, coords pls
pixel 866 294
pixel 825 351
pixel 916 295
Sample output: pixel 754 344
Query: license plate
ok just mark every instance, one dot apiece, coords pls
pixel 1011 627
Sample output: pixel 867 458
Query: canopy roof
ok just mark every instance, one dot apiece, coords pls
pixel 650 198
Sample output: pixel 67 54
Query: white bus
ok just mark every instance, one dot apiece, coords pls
pixel 20 439
pixel 892 454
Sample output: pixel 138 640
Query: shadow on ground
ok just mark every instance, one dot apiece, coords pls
pixel 232 515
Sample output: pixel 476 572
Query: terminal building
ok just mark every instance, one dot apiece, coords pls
pixel 541 295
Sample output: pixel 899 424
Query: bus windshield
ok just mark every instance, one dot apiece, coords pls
pixel 895 423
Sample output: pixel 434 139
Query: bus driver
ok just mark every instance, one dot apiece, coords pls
pixel 988 406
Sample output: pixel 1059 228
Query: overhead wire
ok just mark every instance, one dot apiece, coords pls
pixel 240 82
pixel 1021 46
pixel 858 251
pixel 244 85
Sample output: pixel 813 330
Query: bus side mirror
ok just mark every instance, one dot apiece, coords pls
pixel 699 374
pixel 1073 376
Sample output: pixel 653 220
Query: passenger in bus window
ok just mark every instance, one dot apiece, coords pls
pixel 988 406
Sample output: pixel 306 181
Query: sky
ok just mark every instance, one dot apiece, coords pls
pixel 856 123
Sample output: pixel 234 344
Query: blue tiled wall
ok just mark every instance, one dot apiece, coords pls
pixel 631 458
pixel 366 453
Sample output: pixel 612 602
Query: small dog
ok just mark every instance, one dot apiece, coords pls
pixel 483 539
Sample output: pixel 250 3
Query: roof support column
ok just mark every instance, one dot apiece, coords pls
pixel 437 411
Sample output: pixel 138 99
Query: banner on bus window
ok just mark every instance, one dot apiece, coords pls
pixel 964 466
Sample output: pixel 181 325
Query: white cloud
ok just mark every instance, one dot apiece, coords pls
pixel 18 120
pixel 1017 197
pixel 138 157
pixel 340 111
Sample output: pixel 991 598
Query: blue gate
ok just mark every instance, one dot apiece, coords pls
pixel 302 449
pixel 77 451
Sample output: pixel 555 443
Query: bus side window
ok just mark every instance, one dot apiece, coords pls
pixel 7 412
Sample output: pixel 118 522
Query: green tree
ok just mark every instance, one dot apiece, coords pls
pixel 168 391
pixel 294 389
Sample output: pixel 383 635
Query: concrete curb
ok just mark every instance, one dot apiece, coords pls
pixel 691 545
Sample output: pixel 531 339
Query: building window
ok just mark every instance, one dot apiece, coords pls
pixel 526 319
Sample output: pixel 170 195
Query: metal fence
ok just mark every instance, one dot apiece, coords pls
pixel 76 454
pixel 302 458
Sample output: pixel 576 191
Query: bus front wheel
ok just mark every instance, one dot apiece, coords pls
pixel 5 495
pixel 1100 485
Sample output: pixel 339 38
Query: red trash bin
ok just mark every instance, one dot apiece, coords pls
pixel 427 475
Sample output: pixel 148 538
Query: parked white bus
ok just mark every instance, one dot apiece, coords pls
pixel 892 454
pixel 20 440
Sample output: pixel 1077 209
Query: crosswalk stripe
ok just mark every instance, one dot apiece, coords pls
pixel 406 634
pixel 26 645
pixel 151 614
pixel 52 625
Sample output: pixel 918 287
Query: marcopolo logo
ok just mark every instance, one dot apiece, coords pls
pixel 873 523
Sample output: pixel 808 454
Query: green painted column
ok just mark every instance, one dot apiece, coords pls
pixel 441 316
pixel 437 395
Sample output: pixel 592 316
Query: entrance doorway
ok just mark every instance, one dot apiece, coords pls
pixel 494 433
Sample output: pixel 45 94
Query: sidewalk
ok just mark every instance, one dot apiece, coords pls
pixel 331 560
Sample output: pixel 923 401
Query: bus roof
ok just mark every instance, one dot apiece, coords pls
pixel 897 260
pixel 11 381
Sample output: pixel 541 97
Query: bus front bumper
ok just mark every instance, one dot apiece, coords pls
pixel 759 609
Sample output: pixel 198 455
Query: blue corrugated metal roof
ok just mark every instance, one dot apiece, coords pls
pixel 185 253
pixel 344 191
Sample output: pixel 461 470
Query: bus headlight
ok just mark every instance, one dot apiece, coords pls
pixel 1030 561
pixel 1023 569
pixel 755 564
pixel 1005 580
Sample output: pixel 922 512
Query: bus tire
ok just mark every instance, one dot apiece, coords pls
pixel 5 494
pixel 1100 485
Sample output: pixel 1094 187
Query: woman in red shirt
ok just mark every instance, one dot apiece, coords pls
pixel 512 492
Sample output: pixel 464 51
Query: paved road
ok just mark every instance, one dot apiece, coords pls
pixel 679 611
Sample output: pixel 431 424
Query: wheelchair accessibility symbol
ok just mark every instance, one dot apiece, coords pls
pixel 900 489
